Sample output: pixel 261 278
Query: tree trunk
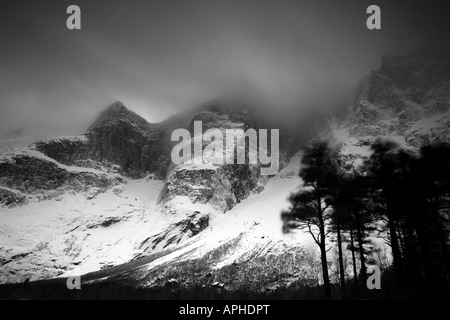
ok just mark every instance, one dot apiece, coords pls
pixel 410 262
pixel 396 254
pixel 323 252
pixel 362 258
pixel 326 278
pixel 355 272
pixel 341 263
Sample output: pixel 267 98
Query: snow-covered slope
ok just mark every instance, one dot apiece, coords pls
pixel 93 230
pixel 87 232
pixel 256 220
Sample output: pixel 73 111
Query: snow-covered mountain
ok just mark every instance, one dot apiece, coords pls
pixel 113 196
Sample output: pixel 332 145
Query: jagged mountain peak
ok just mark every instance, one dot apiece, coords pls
pixel 118 138
pixel 117 106
pixel 118 111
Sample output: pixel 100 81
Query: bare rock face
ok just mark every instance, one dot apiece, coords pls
pixel 197 223
pixel 405 90
pixel 11 198
pixel 220 185
pixel 31 173
pixel 176 232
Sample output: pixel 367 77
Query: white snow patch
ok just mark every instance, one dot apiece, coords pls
pixel 427 124
pixel 81 138
pixel 89 234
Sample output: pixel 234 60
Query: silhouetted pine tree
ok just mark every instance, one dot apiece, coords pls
pixel 415 189
pixel 381 168
pixel 340 221
pixel 311 207
pixel 337 228
pixel 351 246
pixel 354 214
pixel 398 191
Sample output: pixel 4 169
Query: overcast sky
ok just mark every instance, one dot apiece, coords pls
pixel 159 57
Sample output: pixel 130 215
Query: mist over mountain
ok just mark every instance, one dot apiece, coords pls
pixel 160 58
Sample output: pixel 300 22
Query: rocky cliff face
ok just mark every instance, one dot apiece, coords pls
pixel 121 142
pixel 407 100
pixel 28 174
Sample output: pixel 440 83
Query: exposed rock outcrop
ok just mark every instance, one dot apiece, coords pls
pixel 31 173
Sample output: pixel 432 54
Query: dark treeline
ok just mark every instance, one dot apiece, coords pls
pixel 399 195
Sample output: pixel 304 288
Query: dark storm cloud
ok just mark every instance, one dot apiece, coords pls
pixel 159 57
